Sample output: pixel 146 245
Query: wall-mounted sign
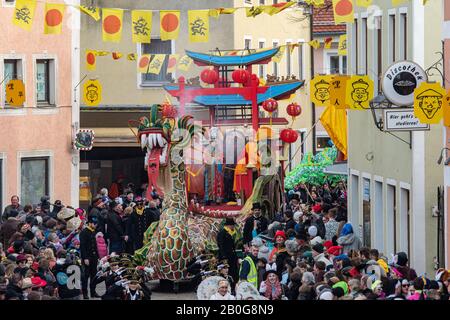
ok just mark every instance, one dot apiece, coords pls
pixel 92 93
pixel 402 120
pixel 400 80
pixel 84 140
pixel 15 93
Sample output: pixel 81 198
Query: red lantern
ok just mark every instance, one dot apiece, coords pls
pixel 240 76
pixel 168 110
pixel 293 109
pixel 288 135
pixel 209 76
pixel 270 105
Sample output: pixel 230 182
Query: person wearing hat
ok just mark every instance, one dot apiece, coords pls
pixel 348 240
pixel 115 232
pixel 89 256
pixel 271 287
pixel 226 241
pixel 140 220
pixel 279 253
pixel 100 211
pixel 15 205
pixel 57 206
pixel 401 264
pixel 319 255
pixel 135 289
pixel 255 224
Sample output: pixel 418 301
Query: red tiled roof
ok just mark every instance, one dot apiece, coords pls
pixel 323 20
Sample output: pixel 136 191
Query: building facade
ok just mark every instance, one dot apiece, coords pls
pixel 36 156
pixel 393 180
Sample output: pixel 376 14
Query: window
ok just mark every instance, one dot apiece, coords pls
pixel 247 43
pixel 275 65
pixel 364 45
pixel 262 67
pixel 262 2
pixel 355 45
pixel 45 82
pixel 366 213
pixel 391 40
pixel 288 59
pixel 322 143
pixel 377 53
pixel 404 220
pixel 391 220
pixel 157 47
pixel 354 213
pixel 12 70
pixel 248 1
pixel 336 64
pixel 403 36
pixel 34 179
pixel 378 217
pixel 301 76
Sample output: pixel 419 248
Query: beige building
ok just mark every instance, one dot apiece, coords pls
pixel 393 180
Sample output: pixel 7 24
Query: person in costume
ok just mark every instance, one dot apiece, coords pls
pixel 223 269
pixel 279 253
pixel 140 220
pixel 89 257
pixel 255 224
pixel 271 286
pixel 226 239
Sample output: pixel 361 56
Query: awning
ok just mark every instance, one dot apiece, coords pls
pixel 114 137
pixel 337 168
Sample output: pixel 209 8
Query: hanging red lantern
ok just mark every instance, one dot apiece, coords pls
pixel 240 76
pixel 209 76
pixel 270 105
pixel 288 135
pixel 293 109
pixel 168 110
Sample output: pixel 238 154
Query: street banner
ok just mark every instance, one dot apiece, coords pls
pixel 143 63
pixel 92 93
pixel 172 62
pixel 156 63
pixel 91 59
pixel 343 11
pixel 141 26
pixel 185 63
pixel 24 14
pixel 279 55
pixel 342 47
pixel 360 91
pixel 198 21
pixel 319 89
pixel 91 11
pixel 54 14
pixel 338 92
pixel 112 22
pixel 169 24
pixel 363 3
pixel 429 101
pixel 15 93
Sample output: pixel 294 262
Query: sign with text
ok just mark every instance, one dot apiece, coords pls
pixel 403 120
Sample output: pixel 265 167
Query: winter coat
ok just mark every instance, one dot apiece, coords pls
pixel 102 249
pixel 248 227
pixel 349 242
pixel 7 230
pixel 88 245
pixel 8 209
pixel 115 230
pixel 227 250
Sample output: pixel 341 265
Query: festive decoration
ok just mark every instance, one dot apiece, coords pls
pixel 53 18
pixel 24 14
pixel 91 57
pixel 270 105
pixel 172 62
pixel 116 55
pixel 112 20
pixel 319 88
pixel 253 11
pixel 185 63
pixel 92 93
pixel 91 11
pixel 198 21
pixel 209 76
pixel 168 110
pixel 218 11
pixel 277 7
pixel 446 111
pixel 363 3
pixel 294 110
pixel 288 135
pixel 338 91
pixel 240 76
pixel 343 11
pixel 170 24
pixel 141 26
pixel 342 47
pixel 314 43
pixel 131 57
pixel 143 63
pixel 327 43
pixel 156 63
pixel 396 3
pixel 429 102
pixel 335 123
pixel 84 140
pixel 359 92
pixel 277 58
pixel 15 93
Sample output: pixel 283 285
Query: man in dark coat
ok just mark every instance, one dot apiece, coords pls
pixel 227 249
pixel 89 256
pixel 140 220
pixel 8 228
pixel 115 231
pixel 288 218
pixel 15 205
pixel 255 222
pixel 99 210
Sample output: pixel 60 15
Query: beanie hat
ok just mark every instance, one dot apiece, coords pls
pixel 312 231
pixel 280 233
pixel 317 208
pixel 334 250
pixel 343 285
pixel 402 259
pixel 347 229
pixel 327 244
pixel 297 216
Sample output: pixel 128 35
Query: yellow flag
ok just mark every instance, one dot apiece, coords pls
pixel 254 11
pixel 319 90
pixel 141 26
pixel 15 93
pixel 184 63
pixel 429 100
pixel 277 8
pixel 112 21
pixel 92 93
pixel 327 43
pixel 91 57
pixel 363 3
pixel 227 10
pixel 447 109
pixel 215 13
pixel 172 63
pixel 277 57
pixel 398 2
pixel 131 57
pixel 338 91
pixel 359 92
pixel 318 3
pixel 156 63
pixel 170 24
pixel 116 55
pixel 24 13
pixel 102 53
pixel 198 21
pixel 143 63
pixel 92 12
pixel 342 47
pixel 335 123
pixel 53 18
pixel 314 43
pixel 343 11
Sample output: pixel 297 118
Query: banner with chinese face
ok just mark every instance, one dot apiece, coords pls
pixel 359 92
pixel 429 99
pixel 319 89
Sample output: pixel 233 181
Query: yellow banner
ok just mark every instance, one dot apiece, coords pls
pixel 185 63
pixel 141 26
pixel 156 63
pixel 359 92
pixel 277 57
pixel 92 12
pixel 447 109
pixel 277 8
pixel 327 43
pixel 363 3
pixel 429 99
pixel 254 11
pixel 338 92
pixel 15 93
pixel 342 47
pixel 112 21
pixel 319 90
pixel 172 62
pixel 53 18
pixel 198 21
pixel 92 93
pixel 343 11
pixel 91 59
pixel 143 63
pixel 85 190
pixel 314 43
pixel 131 57
pixel 169 24
pixel 24 14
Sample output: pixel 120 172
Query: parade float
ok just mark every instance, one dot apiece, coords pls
pixel 186 229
